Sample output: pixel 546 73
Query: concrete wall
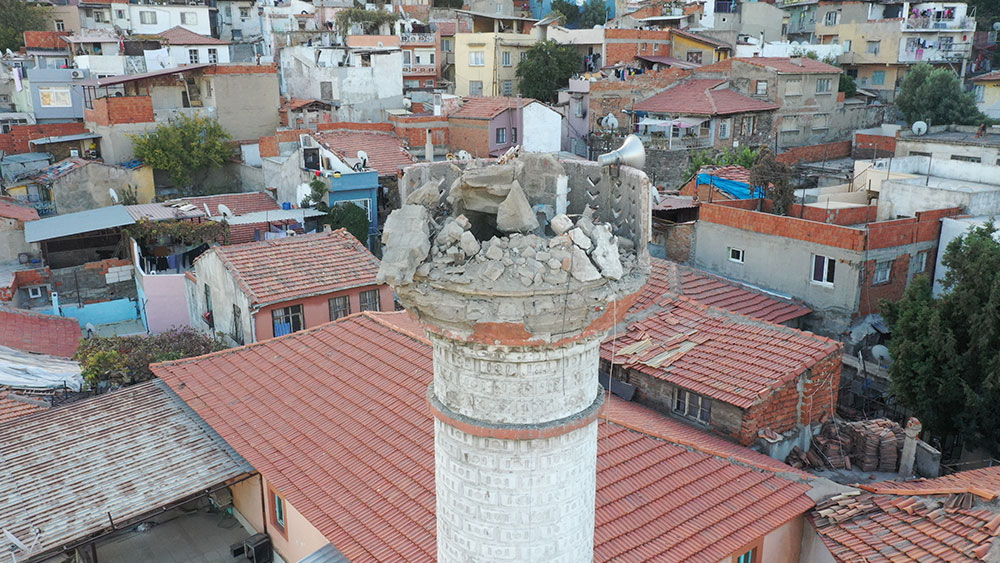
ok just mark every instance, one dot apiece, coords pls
pixel 88 187
pixel 116 140
pixel 542 128
pixel 181 54
pixel 99 313
pixel 492 73
pixel 813 549
pixel 299 539
pixel 784 545
pixel 12 240
pixel 247 500
pixel 906 198
pixel 316 309
pixel 166 18
pixel 225 293
pixel 233 104
pixel 164 294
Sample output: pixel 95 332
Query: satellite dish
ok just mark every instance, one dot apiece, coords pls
pixel 363 157
pixel 996 27
pixel 609 121
pixel 407 103
pixel 919 128
pixel 113 194
pixel 464 155
pixel 225 211
pixel 881 354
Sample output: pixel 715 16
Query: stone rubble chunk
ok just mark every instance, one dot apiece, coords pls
pixel 493 270
pixel 560 224
pixel 488 176
pixel 499 242
pixel 625 245
pixel 582 268
pixel 494 252
pixel 555 277
pixel 585 224
pixel 515 213
pixel 605 253
pixel 455 255
pixel 528 252
pixel 539 278
pixel 580 239
pixel 542 256
pixel 526 280
pixel 468 243
pixel 463 222
pixel 428 195
pixel 554 264
pixel 406 236
pixel 560 241
pixel 450 233
pixel 424 269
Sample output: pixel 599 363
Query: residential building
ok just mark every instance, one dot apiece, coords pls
pixel 486 63
pixel 47 48
pixel 489 126
pixel 97 51
pixel 697 48
pixel 986 89
pixel 239 21
pixel 122 106
pixel 17 138
pixel 801 20
pixel 590 44
pixel 446 58
pixel 616 97
pixel 299 113
pixel 362 83
pixel 574 104
pixel 13 215
pixel 658 451
pixel 622 46
pixel 184 47
pixel 147 18
pixel 839 261
pixel 959 143
pixel 421 60
pixel 261 290
pixel 56 94
pixel 915 184
pixel 736 18
pixel 705 113
pixel 75 184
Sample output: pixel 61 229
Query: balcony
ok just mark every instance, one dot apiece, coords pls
pixel 929 23
pixel 419 70
pixel 417 39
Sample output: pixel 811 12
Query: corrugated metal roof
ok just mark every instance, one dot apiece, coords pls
pixel 76 223
pixel 326 554
pixel 64 471
pixel 163 211
pixel 63 138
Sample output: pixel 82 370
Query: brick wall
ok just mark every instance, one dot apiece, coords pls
pixel 925 227
pixel 414 129
pixel 892 290
pixel 472 135
pixel 270 68
pixel 816 153
pixel 624 45
pixel 126 109
pixel 613 96
pixel 873 146
pixel 269 146
pixel 845 216
pixel 703 192
pixel 777 225
pixel 16 142
pixel 384 127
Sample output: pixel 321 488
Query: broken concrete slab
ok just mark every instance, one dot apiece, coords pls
pixel 450 233
pixel 582 268
pixel 406 236
pixel 605 253
pixel 580 239
pixel 515 213
pixel 489 176
pixel 469 244
pixel 560 224
pixel 428 195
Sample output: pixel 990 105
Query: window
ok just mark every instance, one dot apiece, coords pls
pixel 694 57
pixel 524 56
pixel 429 83
pixel 501 135
pixel 873 47
pixel 237 35
pixel 120 14
pixel 189 18
pixel 749 124
pixel 736 255
pixel 370 300
pixel 60 25
pixel 53 97
pixel 147 18
pixel 476 58
pixel 964 158
pixel 761 88
pixel 823 269
pixel 213 55
pixel 978 91
pixel 513 135
pixel 278 511
pixel 340 307
pixel 878 77
pixel 505 58
pixel 508 87
pixel 725 128
pixel 579 109
pixel 193 56
pixel 237 331
pixel 821 121
pixel 920 262
pixel 832 18
pixel 945 44
pixel 287 320
pixel 883 272
pixel 34 292
pixel 749 556
pixel 823 86
pixel 244 12
pixel 363 203
pixel 99 16
pixel 793 87
pixel 475 87
pixel 693 405
pixel 407 60
pixel 411 84
pixel 918 153
pixel 446 45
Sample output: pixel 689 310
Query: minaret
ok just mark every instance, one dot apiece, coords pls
pixel 517 283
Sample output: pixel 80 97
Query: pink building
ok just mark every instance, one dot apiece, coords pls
pixel 256 291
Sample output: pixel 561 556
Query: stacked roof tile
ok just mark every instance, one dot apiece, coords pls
pixel 386 152
pixel 39 334
pixel 724 356
pixel 238 203
pixel 277 270
pixel 11 406
pixel 703 96
pixel 335 418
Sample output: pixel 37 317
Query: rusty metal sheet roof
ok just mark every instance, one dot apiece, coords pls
pixel 64 471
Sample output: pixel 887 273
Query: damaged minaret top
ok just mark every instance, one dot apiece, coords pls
pixel 534 249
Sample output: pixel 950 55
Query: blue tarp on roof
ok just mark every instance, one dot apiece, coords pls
pixel 736 189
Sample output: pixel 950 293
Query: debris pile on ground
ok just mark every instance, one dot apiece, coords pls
pixel 868 445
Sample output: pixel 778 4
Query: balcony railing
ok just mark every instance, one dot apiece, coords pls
pixel 927 22
pixel 409 70
pixel 417 38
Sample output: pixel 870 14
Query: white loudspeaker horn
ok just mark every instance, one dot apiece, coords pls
pixel 631 153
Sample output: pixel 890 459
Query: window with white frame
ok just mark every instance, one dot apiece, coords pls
pixel 823 86
pixel 693 406
pixel 476 58
pixel 508 87
pixel 832 17
pixel 873 47
pixel 287 320
pixel 120 14
pixel 475 87
pixel 147 18
pixel 407 60
pixel 501 135
pixel 189 18
pixel 193 56
pixel 513 135
pixel 524 56
pixel 340 307
pixel 736 254
pixel 920 262
pixel 823 268
pixel 244 12
pixel 34 292
pixel 749 123
pixel 370 300
pixel 213 55
pixel 505 58
pixel 761 89
pixel 979 92
pixel 725 127
pixel 883 272
pixel 60 25
pixel 99 16
pixel 364 203
pixel 579 108
pixel 821 121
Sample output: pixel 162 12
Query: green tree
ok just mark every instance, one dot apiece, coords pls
pixel 16 17
pixel 848 85
pixel 775 177
pixel 369 20
pixel 936 96
pixel 183 146
pixel 346 215
pixel 546 68
pixel 744 157
pixel 117 361
pixel 318 194
pixel 945 362
pixel 569 11
pixel 595 12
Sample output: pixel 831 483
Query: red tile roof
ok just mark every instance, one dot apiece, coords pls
pixel 488 107
pixel 670 278
pixel 386 152
pixel 277 270
pixel 12 408
pixel 728 357
pixel 11 208
pixel 731 172
pixel 987 479
pixel 239 203
pixel 177 35
pixel 39 334
pixel 299 103
pixel 886 528
pixel 786 65
pixel 445 28
pixel 724 65
pixel 45 40
pixel 340 427
pixel 989 77
pixel 702 96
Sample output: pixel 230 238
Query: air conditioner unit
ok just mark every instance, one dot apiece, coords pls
pixel 76 74
pixel 256 548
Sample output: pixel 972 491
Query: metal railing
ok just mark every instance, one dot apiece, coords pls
pixel 928 22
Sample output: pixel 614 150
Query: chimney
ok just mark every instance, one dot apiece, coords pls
pixel 909 454
pixel 429 145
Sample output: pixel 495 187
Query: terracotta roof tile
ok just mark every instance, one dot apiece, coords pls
pixel 177 35
pixel 11 408
pixel 11 208
pixel 786 65
pixel 702 96
pixel 724 65
pixel 670 278
pixel 488 107
pixel 238 203
pixel 45 40
pixel 386 152
pixel 277 270
pixel 724 356
pixel 39 334
pixel 340 427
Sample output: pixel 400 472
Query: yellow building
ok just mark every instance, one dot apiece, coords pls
pixel 486 63
pixel 697 49
pixel 986 88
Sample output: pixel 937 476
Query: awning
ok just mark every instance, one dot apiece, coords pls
pixel 680 122
pixel 64 138
pixel 76 223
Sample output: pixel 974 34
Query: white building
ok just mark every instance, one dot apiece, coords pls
pixel 182 47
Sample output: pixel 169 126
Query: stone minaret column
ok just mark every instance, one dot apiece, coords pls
pixel 516 324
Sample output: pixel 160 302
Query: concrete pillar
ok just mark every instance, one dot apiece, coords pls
pixel 909 453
